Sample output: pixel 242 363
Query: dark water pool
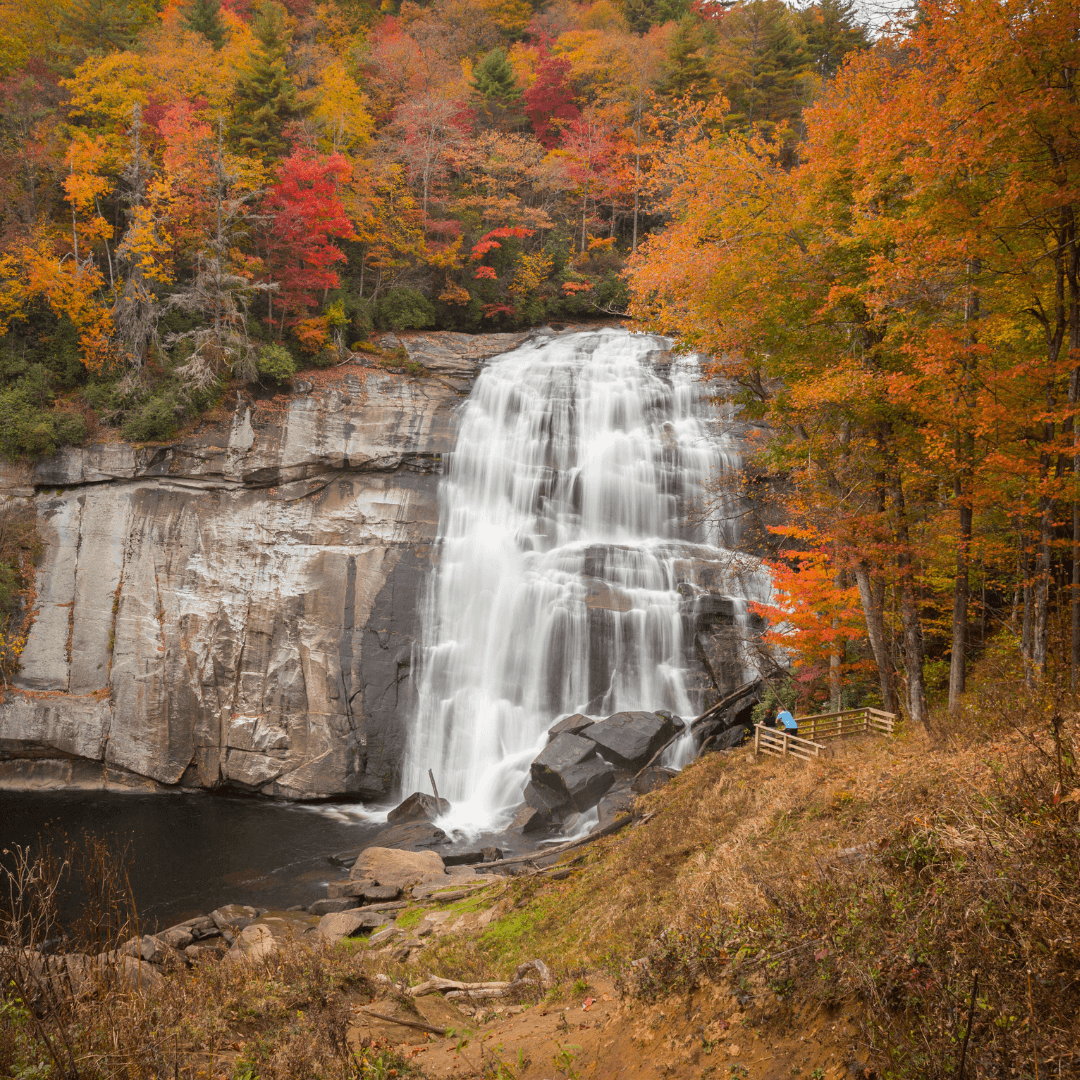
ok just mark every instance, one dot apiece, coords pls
pixel 191 853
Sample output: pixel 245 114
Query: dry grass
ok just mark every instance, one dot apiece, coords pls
pixel 887 875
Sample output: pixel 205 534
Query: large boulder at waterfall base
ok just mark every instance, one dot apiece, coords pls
pixel 733 737
pixel 650 779
pixel 569 725
pixel 629 739
pixel 587 782
pixel 419 806
pixel 617 802
pixel 388 866
pixel 562 753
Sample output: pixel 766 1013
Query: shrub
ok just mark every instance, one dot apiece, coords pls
pixel 275 363
pixel 405 309
pixel 155 420
pixel 324 358
pixel 29 425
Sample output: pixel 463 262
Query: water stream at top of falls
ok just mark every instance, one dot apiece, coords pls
pixel 568 517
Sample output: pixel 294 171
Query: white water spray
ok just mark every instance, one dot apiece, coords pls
pixel 563 539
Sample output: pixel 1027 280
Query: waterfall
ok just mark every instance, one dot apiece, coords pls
pixel 571 509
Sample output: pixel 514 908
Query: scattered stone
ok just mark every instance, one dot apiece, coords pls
pixel 570 725
pixel 629 739
pixel 394 868
pixel 528 819
pixel 387 933
pixel 491 854
pixel 562 753
pixel 296 907
pixel 343 858
pixel 419 806
pixel 177 937
pixel 587 782
pixel 330 907
pixel 364 890
pixel 264 937
pixel 234 916
pixel 651 778
pixel 343 924
pixel 411 836
pixel 149 948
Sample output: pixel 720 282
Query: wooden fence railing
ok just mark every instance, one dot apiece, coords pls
pixel 812 729
pixel 770 741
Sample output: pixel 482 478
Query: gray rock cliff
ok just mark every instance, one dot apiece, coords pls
pixel 239 608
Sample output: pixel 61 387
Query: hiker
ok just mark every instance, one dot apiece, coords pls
pixel 785 720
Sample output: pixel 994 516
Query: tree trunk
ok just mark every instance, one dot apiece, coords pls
pixel 961 595
pixel 909 615
pixel 1042 590
pixel 873 605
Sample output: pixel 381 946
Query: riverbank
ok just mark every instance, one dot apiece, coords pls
pixel 758 917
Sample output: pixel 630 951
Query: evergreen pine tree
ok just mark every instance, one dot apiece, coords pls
pixel 767 66
pixel 202 16
pixel 97 27
pixel 832 31
pixel 494 79
pixel 495 85
pixel 266 96
pixel 687 71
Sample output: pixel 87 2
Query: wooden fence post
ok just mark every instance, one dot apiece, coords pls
pixel 757 738
pixel 785 742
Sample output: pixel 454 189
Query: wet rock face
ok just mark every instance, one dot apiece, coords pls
pixel 239 609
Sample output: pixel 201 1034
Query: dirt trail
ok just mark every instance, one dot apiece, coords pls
pixel 602 1037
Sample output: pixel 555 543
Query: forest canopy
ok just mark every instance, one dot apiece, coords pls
pixel 204 191
pixel 902 306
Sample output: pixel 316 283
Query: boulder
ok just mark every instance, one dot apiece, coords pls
pixel 412 835
pixel 569 725
pixel 544 800
pixel 417 807
pixel 234 916
pixel 587 782
pixel 562 753
pixel 177 937
pixel 265 936
pixel 331 907
pixel 394 868
pixel 733 737
pixel 363 889
pixel 629 739
pixel 650 779
pixel 343 924
pixel 617 802
pixel 528 819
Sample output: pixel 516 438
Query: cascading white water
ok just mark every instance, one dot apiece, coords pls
pixel 563 528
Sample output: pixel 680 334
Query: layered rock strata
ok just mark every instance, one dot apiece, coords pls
pixel 238 608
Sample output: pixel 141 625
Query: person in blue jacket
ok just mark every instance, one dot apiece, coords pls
pixel 785 720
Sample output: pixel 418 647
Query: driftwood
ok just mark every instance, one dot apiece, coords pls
pixel 558 849
pixel 406 1023
pixel 438 985
pixel 708 714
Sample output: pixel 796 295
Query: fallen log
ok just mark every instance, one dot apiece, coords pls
pixel 544 853
pixel 441 1032
pixel 436 985
pixel 472 994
